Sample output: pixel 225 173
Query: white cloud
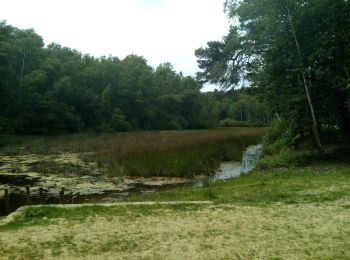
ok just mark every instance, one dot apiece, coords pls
pixel 159 30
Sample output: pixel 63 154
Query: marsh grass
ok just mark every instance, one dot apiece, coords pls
pixel 187 161
pixel 154 153
pixel 169 153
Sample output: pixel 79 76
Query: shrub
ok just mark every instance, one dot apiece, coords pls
pixel 286 157
pixel 280 136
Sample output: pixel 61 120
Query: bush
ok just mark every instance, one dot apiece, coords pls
pixel 280 136
pixel 280 147
pixel 286 157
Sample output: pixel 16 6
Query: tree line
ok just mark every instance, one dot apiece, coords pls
pixel 54 89
pixel 295 53
pixel 241 107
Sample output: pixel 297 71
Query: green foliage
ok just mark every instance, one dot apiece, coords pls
pixel 285 157
pixel 280 147
pixel 238 108
pixel 54 89
pixel 279 136
pixel 118 122
pixel 283 48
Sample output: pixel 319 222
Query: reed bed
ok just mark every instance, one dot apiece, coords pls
pixel 152 153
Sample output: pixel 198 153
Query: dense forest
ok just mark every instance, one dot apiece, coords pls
pixel 296 54
pixel 53 89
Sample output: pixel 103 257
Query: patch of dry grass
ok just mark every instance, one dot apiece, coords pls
pixel 125 144
pixel 225 231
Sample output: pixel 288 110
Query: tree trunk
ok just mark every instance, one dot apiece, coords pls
pixel 278 117
pixel 306 87
pixel 21 77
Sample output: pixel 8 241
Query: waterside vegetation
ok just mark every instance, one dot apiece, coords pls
pixel 163 153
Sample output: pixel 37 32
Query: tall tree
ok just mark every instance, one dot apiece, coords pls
pixel 284 46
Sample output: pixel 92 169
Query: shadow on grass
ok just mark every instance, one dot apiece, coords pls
pixel 46 215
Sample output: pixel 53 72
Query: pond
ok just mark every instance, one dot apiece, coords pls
pixel 93 187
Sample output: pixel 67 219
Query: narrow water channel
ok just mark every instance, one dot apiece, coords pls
pixel 229 170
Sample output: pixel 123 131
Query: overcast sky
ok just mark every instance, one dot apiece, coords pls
pixel 159 30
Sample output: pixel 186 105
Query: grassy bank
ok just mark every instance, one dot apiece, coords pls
pixel 156 153
pixel 310 184
pixel 298 213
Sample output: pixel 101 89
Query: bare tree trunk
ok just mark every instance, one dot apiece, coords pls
pixel 278 117
pixel 306 87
